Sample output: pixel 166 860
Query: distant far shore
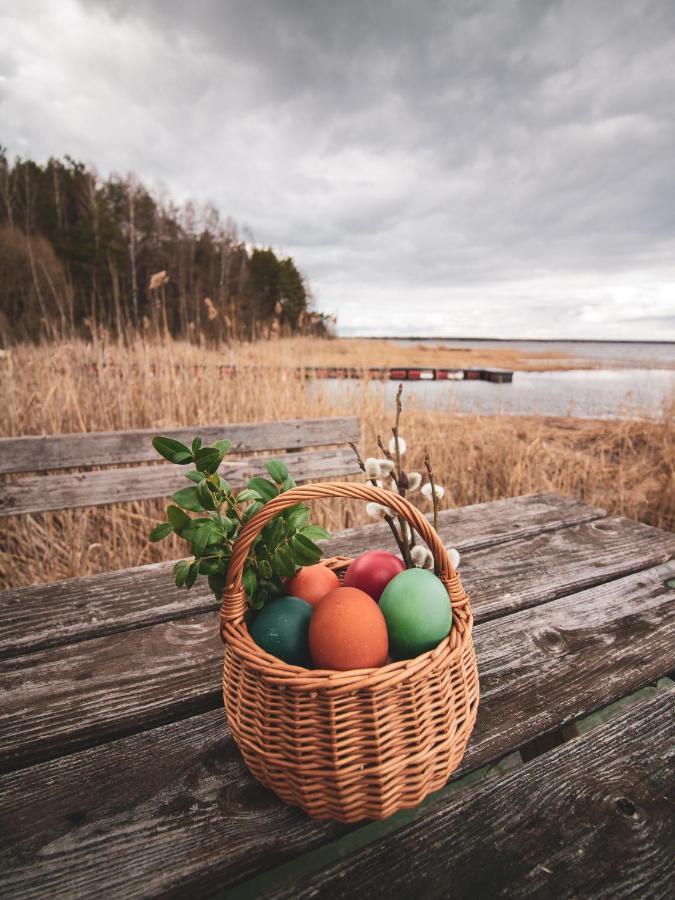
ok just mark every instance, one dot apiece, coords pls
pixel 490 340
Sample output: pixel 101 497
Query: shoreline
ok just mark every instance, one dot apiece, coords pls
pixel 424 353
pixel 491 340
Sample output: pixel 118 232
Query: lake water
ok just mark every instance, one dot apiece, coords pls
pixel 637 381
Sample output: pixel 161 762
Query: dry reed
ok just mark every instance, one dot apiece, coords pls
pixel 628 467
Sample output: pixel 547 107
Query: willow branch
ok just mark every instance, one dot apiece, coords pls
pixel 430 473
pixel 400 484
pixel 387 518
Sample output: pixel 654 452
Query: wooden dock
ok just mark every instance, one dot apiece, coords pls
pixel 411 373
pixel 382 373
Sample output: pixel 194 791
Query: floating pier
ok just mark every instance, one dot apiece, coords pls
pixel 411 373
pixel 386 373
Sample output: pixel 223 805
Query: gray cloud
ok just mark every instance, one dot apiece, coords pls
pixel 464 167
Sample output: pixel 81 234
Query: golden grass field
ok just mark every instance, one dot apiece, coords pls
pixel 628 467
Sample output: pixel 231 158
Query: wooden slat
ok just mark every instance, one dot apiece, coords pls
pixel 483 524
pixel 51 492
pixel 40 453
pixel 593 818
pixel 59 612
pixel 98 821
pixel 73 693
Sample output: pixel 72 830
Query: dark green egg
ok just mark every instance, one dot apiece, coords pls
pixel 281 628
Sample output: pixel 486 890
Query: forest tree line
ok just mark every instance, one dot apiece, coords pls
pixel 81 254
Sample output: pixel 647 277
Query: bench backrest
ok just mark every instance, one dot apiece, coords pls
pixel 47 453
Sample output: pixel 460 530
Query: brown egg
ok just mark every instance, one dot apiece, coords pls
pixel 348 631
pixel 312 583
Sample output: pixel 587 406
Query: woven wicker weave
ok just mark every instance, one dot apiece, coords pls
pixel 352 745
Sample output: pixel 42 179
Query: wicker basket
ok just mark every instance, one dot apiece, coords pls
pixel 352 745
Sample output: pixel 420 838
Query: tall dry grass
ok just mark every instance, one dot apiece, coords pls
pixel 628 467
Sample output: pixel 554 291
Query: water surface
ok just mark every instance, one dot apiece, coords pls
pixel 586 393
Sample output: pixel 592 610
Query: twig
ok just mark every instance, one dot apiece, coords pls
pixel 430 473
pixel 400 485
pixel 387 518
pixel 384 450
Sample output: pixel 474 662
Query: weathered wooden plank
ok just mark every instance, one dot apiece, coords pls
pixel 98 821
pixel 516 576
pixel 51 614
pixel 43 493
pixel 593 818
pixel 483 524
pixel 40 453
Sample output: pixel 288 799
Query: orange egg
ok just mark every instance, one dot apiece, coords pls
pixel 348 631
pixel 312 583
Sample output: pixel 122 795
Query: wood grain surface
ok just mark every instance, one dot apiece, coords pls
pixel 174 809
pixel 65 697
pixel 593 818
pixel 40 453
pixel 106 486
pixel 62 612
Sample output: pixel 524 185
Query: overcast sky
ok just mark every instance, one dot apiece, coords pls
pixel 461 168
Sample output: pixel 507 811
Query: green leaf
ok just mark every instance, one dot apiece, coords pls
pixel 225 525
pixel 196 444
pixel 247 494
pixel 193 571
pixel 296 517
pixel 188 498
pixel 282 564
pixel 272 533
pixel 195 476
pixel 309 546
pixel 208 459
pixel 205 496
pixel 287 484
pixel 277 470
pixel 251 511
pixel 180 571
pixel 211 566
pixel 177 517
pixel 224 486
pixel 201 539
pixel 223 445
pixel 190 530
pixel 159 532
pixel 314 532
pixel 265 488
pixel 217 584
pixel 250 581
pixel 302 554
pixel 172 450
pixel 265 568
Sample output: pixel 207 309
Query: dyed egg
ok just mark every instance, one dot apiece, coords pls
pixel 416 607
pixel 312 583
pixel 281 628
pixel 372 571
pixel 348 631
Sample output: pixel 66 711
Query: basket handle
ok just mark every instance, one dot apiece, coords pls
pixel 234 600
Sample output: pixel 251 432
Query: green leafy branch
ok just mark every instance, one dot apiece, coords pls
pixel 284 544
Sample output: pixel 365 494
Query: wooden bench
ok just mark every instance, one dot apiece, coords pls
pixel 46 454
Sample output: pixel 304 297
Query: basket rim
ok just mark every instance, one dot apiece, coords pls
pixel 276 671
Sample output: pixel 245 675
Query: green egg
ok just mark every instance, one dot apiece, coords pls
pixel 416 607
pixel 282 627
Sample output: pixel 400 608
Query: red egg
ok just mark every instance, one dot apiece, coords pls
pixel 372 571
pixel 348 631
pixel 311 583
